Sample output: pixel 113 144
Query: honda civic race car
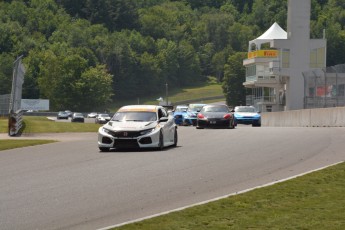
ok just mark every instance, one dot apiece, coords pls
pixel 138 126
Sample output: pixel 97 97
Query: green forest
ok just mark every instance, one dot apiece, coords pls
pixel 85 54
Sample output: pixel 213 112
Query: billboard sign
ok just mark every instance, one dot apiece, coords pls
pixel 35 104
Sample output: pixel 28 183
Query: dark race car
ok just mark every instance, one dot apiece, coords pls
pixel 215 116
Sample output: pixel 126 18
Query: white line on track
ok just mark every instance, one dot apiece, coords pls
pixel 217 198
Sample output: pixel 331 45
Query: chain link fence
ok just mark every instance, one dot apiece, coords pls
pixel 4 104
pixel 324 87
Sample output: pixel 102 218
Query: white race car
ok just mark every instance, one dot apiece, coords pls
pixel 138 126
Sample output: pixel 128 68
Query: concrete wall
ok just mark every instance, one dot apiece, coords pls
pixel 325 117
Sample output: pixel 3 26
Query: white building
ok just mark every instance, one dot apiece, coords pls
pixel 277 59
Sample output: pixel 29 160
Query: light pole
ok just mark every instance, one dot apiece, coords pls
pixel 166 93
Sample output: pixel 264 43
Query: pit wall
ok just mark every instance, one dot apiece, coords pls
pixel 324 117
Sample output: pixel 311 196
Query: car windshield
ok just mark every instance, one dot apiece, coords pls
pixel 195 108
pixel 134 116
pixel 78 115
pixel 245 109
pixel 181 109
pixel 216 109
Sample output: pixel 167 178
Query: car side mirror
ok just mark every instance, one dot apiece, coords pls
pixel 163 119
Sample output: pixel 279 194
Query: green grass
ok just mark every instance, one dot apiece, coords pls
pixel 11 144
pixel 37 124
pixel 197 94
pixel 3 124
pixel 313 201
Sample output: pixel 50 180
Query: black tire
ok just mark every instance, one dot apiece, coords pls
pixel 175 138
pixel 104 149
pixel 161 141
pixel 257 124
pixel 198 127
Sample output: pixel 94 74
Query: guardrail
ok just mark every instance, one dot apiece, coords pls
pixel 321 117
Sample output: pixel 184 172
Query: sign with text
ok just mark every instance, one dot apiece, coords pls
pixel 35 104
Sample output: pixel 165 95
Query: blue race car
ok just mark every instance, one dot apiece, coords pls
pixel 247 115
pixel 190 117
pixel 179 112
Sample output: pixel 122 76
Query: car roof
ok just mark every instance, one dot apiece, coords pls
pixel 245 106
pixel 197 104
pixel 139 108
pixel 216 105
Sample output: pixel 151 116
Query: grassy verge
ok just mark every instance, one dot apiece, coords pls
pixel 36 124
pixel 12 144
pixel 196 93
pixel 3 124
pixel 313 201
pixel 33 124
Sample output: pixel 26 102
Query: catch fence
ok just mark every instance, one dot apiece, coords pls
pixel 324 87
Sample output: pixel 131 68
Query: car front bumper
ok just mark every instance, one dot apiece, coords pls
pixel 213 123
pixel 247 120
pixel 128 139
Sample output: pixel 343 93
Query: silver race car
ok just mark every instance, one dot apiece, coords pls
pixel 138 126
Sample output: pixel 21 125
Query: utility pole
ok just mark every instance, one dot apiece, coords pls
pixel 166 93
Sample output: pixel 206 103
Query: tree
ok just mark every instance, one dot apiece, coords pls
pixel 6 73
pixel 189 70
pixel 169 20
pixel 234 76
pixel 94 88
pixel 66 79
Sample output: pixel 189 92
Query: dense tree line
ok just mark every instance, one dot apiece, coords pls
pixel 82 54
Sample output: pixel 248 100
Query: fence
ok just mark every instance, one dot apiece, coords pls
pixel 324 87
pixel 4 104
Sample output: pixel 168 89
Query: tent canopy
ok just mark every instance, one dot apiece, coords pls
pixel 274 32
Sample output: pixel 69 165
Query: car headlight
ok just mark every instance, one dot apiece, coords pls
pixel 106 131
pixel 146 131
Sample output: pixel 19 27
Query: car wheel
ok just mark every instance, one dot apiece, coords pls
pixel 175 138
pixel 256 124
pixel 161 141
pixel 198 127
pixel 104 149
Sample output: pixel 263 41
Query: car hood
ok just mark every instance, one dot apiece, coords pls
pixel 130 125
pixel 214 115
pixel 246 114
pixel 179 113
